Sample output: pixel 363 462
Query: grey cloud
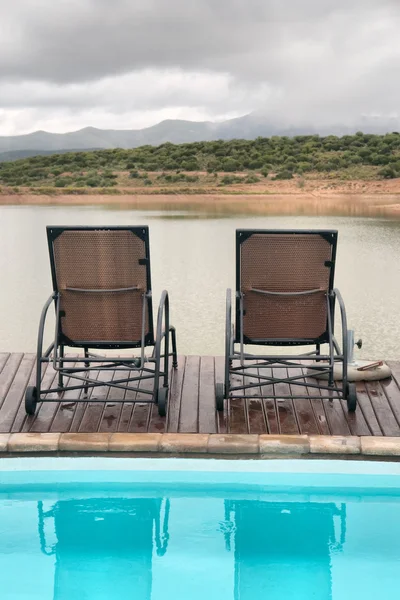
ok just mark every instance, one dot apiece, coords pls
pixel 300 60
pixel 80 40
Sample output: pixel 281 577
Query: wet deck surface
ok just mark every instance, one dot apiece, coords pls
pixel 192 406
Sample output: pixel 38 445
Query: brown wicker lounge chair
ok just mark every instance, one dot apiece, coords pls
pixel 102 296
pixel 285 297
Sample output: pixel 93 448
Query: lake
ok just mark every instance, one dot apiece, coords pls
pixel 193 257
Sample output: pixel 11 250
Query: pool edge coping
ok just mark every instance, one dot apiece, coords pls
pixel 249 446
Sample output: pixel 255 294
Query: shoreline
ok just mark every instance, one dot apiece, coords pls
pixel 306 202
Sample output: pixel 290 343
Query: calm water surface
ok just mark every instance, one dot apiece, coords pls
pixel 114 546
pixel 194 258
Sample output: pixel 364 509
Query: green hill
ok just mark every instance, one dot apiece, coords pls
pixel 359 156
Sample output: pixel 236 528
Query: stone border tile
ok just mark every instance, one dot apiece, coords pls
pixel 284 444
pixel 84 442
pixel 33 442
pixel 134 442
pixel 4 437
pixel 232 443
pixel 334 444
pixel 380 446
pixel 184 442
pixel 264 446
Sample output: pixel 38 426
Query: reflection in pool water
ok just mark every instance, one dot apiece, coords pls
pixel 283 549
pixel 104 547
pixel 172 543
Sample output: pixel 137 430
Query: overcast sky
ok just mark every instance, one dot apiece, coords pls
pixel 67 64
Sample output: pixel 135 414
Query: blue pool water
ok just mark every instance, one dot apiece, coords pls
pixel 96 529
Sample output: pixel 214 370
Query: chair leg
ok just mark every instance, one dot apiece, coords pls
pixel 87 365
pixel 318 352
pixel 174 352
pixel 60 374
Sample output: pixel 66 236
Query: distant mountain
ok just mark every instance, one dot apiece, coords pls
pixel 178 132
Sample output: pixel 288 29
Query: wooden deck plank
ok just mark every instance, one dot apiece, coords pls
pixel 141 413
pixel 222 416
pixel 391 390
pixel 270 408
pixel 41 420
pixel 237 414
pixel 304 411
pixel 127 411
pixel 254 406
pixel 317 406
pixel 395 366
pixel 207 416
pixel 364 404
pixel 188 421
pixel 335 417
pixel 82 406
pixel 7 375
pixel 286 415
pixel 356 420
pixel 158 424
pixel 66 409
pixel 4 356
pixel 21 416
pixel 16 393
pixel 112 410
pixel 385 417
pixel 334 413
pixel 176 395
pixel 94 410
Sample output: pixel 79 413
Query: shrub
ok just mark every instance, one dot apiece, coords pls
pixel 255 164
pixel 61 182
pixel 93 181
pixel 387 173
pixel 251 179
pixel 264 172
pixel 109 175
pixel 190 165
pixel 290 166
pixel 230 179
pixel 284 174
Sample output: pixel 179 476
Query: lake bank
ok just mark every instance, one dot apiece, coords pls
pixel 321 202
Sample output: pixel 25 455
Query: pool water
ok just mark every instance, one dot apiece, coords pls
pixel 171 529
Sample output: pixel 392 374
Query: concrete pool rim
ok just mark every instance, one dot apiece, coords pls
pixel 190 445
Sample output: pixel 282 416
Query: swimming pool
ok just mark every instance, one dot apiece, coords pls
pixel 96 528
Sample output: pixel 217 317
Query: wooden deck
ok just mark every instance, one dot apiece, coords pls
pixel 191 406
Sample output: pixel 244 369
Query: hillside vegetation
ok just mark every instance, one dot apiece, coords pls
pixel 200 165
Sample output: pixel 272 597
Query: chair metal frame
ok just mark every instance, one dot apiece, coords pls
pixel 81 369
pixel 234 335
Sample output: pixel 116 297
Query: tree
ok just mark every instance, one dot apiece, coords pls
pixel 190 165
pixel 230 165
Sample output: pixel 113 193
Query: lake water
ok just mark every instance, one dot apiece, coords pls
pixel 193 257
